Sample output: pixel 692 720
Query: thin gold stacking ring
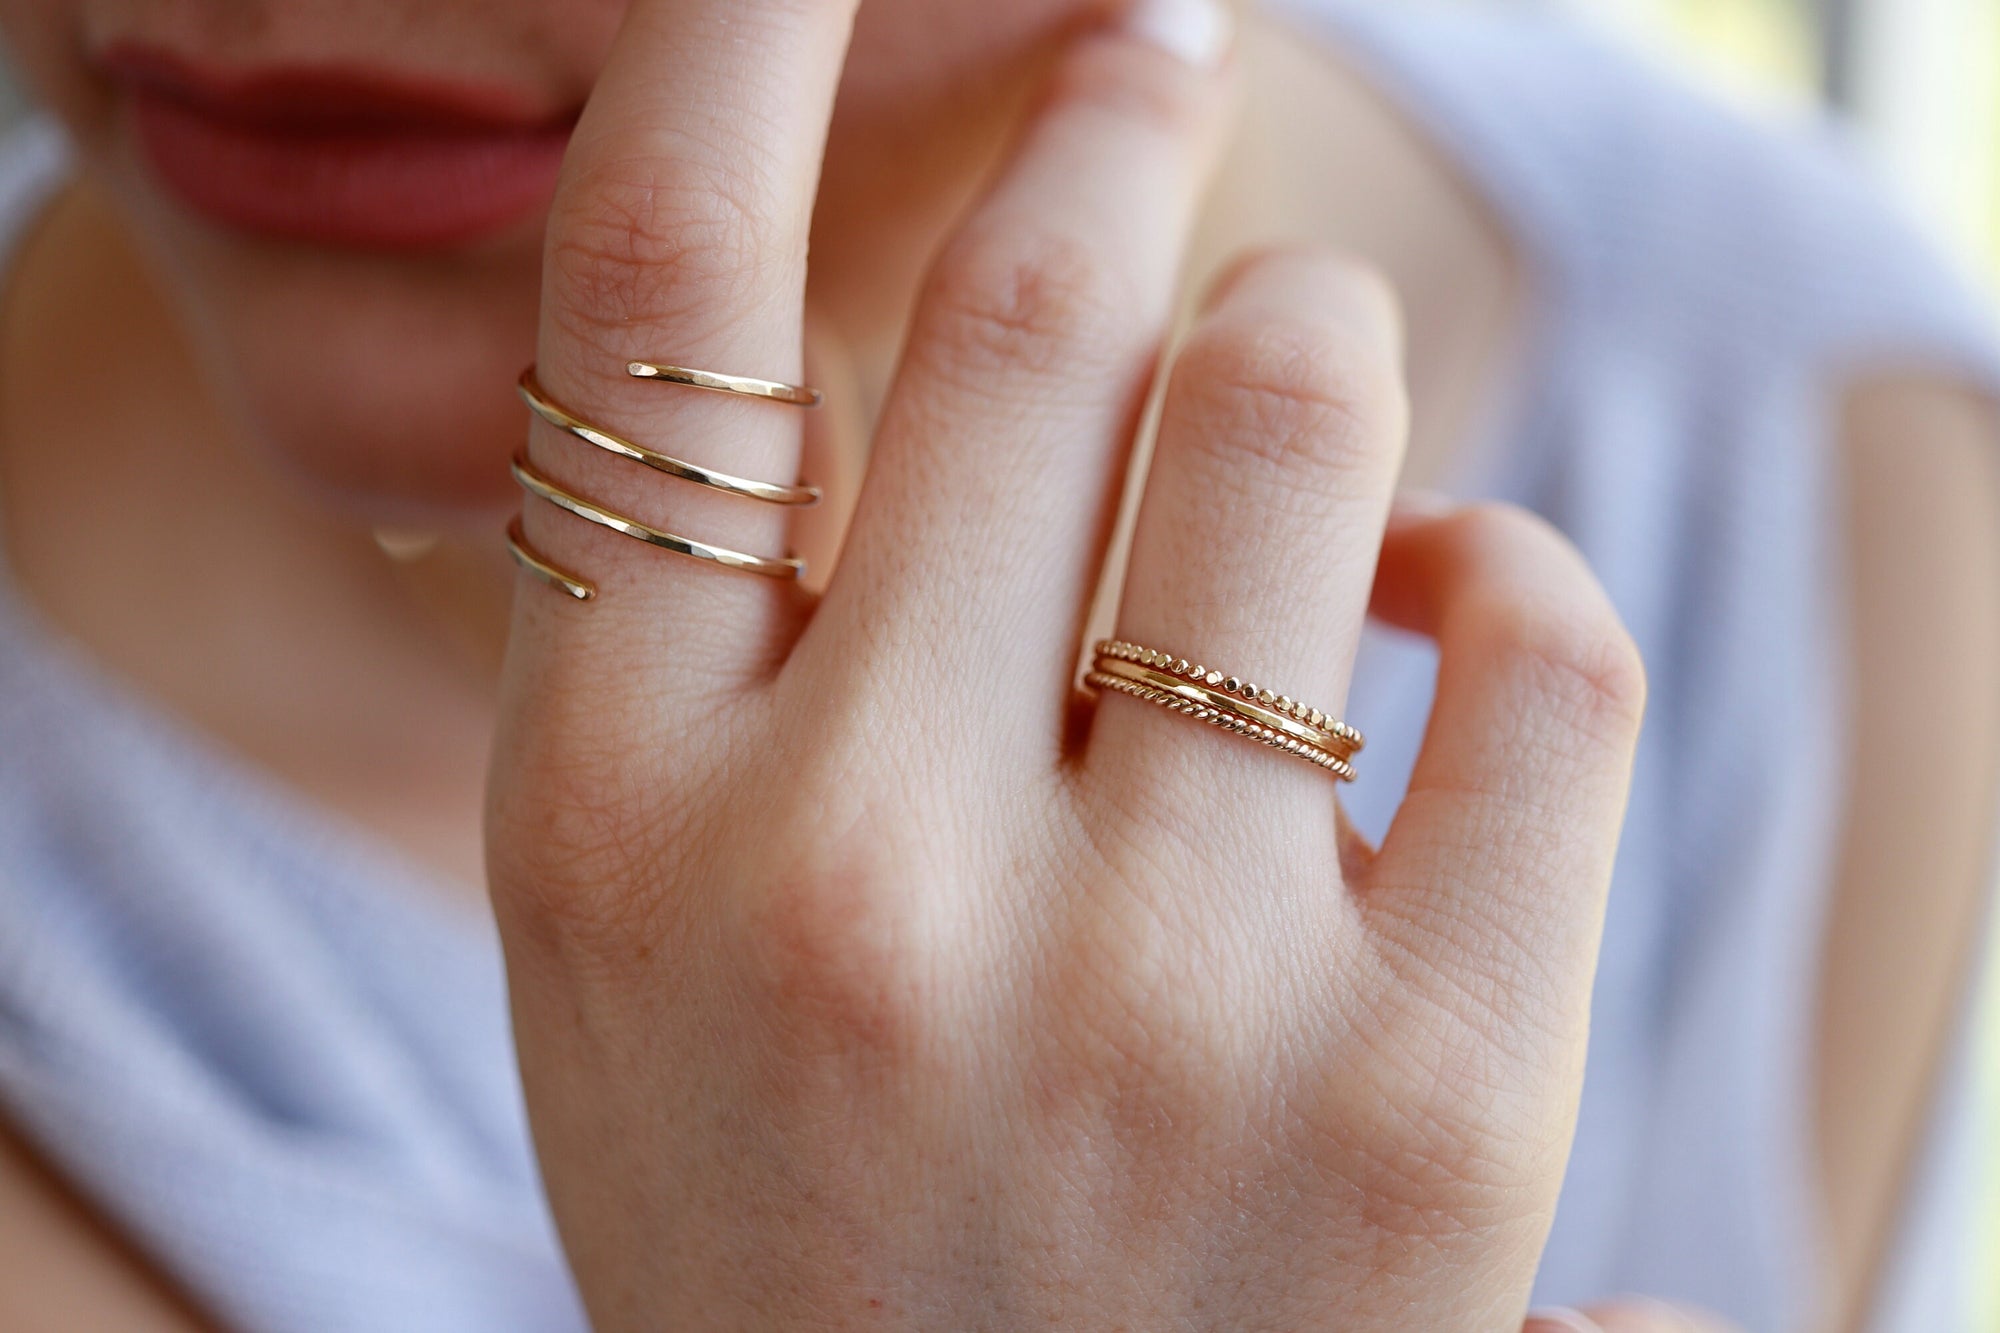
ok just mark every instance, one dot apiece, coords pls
pixel 1228 702
pixel 536 484
pixel 1334 734
pixel 562 418
pixel 797 395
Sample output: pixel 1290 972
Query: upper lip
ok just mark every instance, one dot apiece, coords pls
pixel 326 98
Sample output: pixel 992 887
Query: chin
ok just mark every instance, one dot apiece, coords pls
pixel 394 401
pixel 426 445
pixel 382 386
pixel 365 298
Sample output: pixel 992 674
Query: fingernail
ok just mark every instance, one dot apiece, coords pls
pixel 1562 1320
pixel 1421 507
pixel 1425 503
pixel 1198 32
pixel 1657 1314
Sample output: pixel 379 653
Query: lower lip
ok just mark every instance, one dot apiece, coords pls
pixel 378 189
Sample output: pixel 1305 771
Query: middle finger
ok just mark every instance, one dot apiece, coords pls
pixel 982 524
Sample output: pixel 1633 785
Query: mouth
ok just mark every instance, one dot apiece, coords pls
pixel 340 156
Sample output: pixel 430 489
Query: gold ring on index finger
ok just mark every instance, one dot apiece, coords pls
pixel 549 410
pixel 796 395
pixel 532 481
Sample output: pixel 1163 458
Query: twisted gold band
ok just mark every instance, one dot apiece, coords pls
pixel 529 559
pixel 563 419
pixel 798 395
pixel 1226 702
pixel 1332 763
pixel 536 484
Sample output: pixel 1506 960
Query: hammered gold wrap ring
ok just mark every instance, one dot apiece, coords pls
pixel 543 488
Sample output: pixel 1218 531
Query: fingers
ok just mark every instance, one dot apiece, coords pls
pixel 678 235
pixel 1559 1321
pixel 1630 1316
pixel 1500 856
pixel 981 527
pixel 1280 443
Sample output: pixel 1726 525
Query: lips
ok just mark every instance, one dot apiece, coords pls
pixel 337 156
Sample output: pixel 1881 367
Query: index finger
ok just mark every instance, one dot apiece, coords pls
pixel 678 235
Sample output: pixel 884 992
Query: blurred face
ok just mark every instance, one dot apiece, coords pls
pixel 347 196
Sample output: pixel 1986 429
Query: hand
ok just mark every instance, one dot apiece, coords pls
pixel 857 982
pixel 1624 1317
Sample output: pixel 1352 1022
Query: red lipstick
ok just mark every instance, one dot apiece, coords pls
pixel 340 156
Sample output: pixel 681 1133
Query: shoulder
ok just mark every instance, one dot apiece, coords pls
pixel 62 1268
pixel 1757 233
pixel 1663 209
pixel 1922 472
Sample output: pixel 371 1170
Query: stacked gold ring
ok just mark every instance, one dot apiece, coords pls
pixel 1229 702
pixel 555 414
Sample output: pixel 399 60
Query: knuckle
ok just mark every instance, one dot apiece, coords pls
pixel 1290 398
pixel 1585 664
pixel 570 870
pixel 636 241
pixel 1566 636
pixel 1133 1041
pixel 1132 974
pixel 1437 1157
pixel 1438 1178
pixel 1020 299
pixel 829 969
pixel 832 950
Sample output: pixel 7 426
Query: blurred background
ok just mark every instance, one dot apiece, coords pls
pixel 1918 83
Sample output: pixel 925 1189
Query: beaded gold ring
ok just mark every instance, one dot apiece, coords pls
pixel 1229 702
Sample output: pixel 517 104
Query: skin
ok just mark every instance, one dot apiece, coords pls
pixel 1893 986
pixel 1052 909
pixel 960 1028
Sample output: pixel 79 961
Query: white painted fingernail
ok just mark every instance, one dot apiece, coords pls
pixel 1196 31
pixel 1669 1318
pixel 1564 1320
pixel 1416 502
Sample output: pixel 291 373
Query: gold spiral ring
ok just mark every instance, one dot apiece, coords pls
pixel 549 410
pixel 796 395
pixel 538 485
pixel 531 560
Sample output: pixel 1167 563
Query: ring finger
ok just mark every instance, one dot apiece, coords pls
pixel 1257 538
pixel 1031 354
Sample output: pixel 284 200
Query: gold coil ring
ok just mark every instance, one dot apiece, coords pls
pixel 797 395
pixel 529 559
pixel 536 484
pixel 563 419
